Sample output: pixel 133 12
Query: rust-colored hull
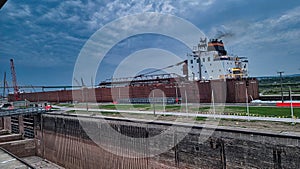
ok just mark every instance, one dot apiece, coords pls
pixel 229 91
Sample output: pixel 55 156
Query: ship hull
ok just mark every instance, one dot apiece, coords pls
pixel 229 91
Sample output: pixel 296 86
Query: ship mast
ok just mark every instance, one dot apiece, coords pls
pixel 202 46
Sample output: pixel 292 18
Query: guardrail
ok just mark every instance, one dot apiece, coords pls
pixel 13 112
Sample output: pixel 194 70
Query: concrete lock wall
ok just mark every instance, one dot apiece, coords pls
pixel 61 139
pixel 17 141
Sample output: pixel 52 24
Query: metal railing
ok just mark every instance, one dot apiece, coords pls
pixel 13 112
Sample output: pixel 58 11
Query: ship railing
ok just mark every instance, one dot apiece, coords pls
pixel 13 112
pixel 156 100
pixel 143 77
pixel 140 78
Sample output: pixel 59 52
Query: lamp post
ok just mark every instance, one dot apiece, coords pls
pixel 153 99
pixel 186 103
pixel 292 110
pixel 163 102
pixel 247 104
pixel 176 99
pixel 280 74
pixel 213 103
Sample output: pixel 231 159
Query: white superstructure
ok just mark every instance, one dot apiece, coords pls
pixel 210 61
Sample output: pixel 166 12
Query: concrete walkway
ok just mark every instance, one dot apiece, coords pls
pixel 250 118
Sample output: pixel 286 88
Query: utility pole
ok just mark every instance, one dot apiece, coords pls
pixel 280 74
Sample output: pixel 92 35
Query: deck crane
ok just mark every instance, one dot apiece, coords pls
pixel 157 70
pixel 14 80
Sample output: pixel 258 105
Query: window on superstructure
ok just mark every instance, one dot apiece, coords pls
pixel 208 59
pixel 198 60
pixel 191 61
pixel 203 59
pixel 236 72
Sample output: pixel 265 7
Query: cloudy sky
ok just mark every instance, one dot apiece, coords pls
pixel 46 37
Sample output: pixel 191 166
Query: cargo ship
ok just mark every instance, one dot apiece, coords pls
pixel 208 73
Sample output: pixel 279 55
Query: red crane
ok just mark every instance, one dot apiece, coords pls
pixel 14 80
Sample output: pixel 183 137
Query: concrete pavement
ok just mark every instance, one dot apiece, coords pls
pixel 235 117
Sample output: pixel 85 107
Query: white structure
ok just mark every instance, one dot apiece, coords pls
pixel 210 61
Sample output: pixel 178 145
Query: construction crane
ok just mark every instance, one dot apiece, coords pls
pixel 4 85
pixel 14 80
pixel 7 87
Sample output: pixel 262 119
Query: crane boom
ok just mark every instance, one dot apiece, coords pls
pixel 7 87
pixel 14 80
pixel 177 64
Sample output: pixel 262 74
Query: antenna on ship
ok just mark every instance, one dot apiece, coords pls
pixel 202 44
